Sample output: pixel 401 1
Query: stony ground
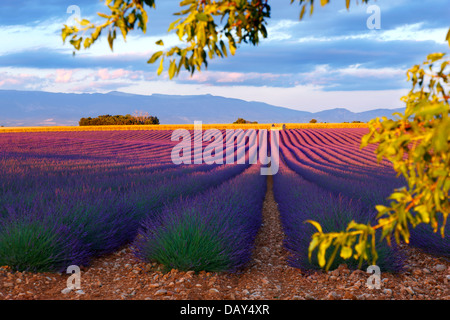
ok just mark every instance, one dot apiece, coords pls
pixel 268 277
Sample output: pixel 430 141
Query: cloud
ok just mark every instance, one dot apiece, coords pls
pixel 32 13
pixel 47 122
pixel 63 76
pixel 380 73
pixel 408 32
pixel 281 30
pixel 105 74
pixel 10 80
pixel 227 78
pixel 94 87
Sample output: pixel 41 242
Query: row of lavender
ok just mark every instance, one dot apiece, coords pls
pixel 212 231
pixel 310 154
pixel 57 210
pixel 300 200
pixel 366 181
pixel 138 147
pixel 66 198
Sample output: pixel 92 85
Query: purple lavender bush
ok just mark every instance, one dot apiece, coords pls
pixel 371 189
pixel 39 243
pixel 299 200
pixel 88 189
pixel 213 231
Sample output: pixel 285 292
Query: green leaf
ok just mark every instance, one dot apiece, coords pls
pixel 263 31
pixel 202 17
pixel 159 43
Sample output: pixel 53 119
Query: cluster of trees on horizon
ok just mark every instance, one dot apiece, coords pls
pixel 128 119
pixel 243 121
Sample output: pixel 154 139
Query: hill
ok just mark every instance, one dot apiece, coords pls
pixel 37 108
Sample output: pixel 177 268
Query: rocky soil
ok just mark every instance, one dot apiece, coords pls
pixel 268 277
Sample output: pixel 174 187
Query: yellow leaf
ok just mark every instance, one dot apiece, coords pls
pixel 322 250
pixel 302 13
pixel 312 245
pixel 346 252
pixel 315 224
pixel 161 67
pixel 232 49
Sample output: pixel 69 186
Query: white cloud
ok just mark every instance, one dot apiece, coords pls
pixel 414 32
pixel 280 30
pixel 409 32
pixel 21 38
pixel 381 73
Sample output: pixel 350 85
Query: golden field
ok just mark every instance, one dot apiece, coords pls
pixel 220 126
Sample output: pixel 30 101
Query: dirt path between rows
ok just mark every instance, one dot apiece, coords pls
pixel 267 277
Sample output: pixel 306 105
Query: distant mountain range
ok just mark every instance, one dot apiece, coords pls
pixel 37 108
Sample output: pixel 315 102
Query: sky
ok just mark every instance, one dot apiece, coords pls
pixel 329 60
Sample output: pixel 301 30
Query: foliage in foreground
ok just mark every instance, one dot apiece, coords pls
pixel 208 29
pixel 299 199
pixel 418 145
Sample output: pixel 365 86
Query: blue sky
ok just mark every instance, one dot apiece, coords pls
pixel 329 60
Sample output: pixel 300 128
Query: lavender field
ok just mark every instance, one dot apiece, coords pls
pixel 67 198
